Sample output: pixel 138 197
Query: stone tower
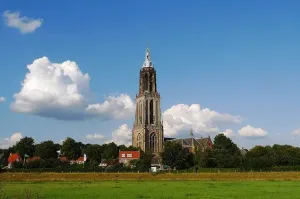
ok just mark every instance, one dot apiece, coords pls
pixel 148 129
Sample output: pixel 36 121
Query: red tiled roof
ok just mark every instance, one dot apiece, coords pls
pixel 80 159
pixel 63 159
pixel 34 158
pixel 13 157
pixel 129 154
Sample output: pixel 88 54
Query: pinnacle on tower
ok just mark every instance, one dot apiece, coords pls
pixel 147 62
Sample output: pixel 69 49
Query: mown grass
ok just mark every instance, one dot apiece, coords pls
pixel 154 189
pixel 228 176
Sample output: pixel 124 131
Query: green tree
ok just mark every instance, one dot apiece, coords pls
pixel 70 149
pixel 205 158
pixel 110 151
pixel 226 153
pixel 260 157
pixel 25 146
pixel 46 150
pixel 173 155
pixel 94 152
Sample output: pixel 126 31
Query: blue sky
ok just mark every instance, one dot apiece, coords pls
pixel 235 57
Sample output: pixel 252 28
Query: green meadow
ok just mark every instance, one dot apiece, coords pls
pixel 152 189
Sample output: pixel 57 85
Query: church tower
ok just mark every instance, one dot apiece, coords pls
pixel 148 129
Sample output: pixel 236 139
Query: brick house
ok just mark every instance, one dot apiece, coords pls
pixel 126 156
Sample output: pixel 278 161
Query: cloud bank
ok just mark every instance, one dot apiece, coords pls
pixel 182 117
pixel 95 136
pixel 122 135
pixel 252 133
pixel 61 91
pixel 8 142
pixel 24 24
pixel 2 99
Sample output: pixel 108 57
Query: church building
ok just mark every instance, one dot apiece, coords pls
pixel 148 128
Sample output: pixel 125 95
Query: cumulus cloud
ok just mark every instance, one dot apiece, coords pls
pixel 8 142
pixel 61 91
pixel 182 117
pixel 229 133
pixel 24 24
pixel 122 135
pixel 251 132
pixel 95 136
pixel 2 99
pixel 296 132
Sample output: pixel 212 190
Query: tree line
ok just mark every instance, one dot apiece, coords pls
pixel 225 154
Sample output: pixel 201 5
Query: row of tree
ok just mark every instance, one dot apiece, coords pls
pixel 225 154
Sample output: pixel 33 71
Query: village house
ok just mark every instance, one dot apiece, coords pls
pixel 126 156
pixel 13 157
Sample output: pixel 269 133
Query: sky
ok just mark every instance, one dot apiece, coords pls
pixel 72 69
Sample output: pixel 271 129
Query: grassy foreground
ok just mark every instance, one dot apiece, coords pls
pixel 154 189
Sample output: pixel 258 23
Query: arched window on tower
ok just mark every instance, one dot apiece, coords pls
pixel 153 142
pixel 146 109
pixel 146 82
pixel 156 112
pixel 151 82
pixel 141 113
pixel 151 112
pixel 139 141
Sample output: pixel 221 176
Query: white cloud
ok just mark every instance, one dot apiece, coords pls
pixel 8 142
pixel 24 24
pixel 181 118
pixel 296 132
pixel 2 99
pixel 251 132
pixel 61 91
pixel 122 135
pixel 229 133
pixel 95 136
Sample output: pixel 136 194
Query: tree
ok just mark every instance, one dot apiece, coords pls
pixel 260 157
pixel 46 150
pixel 25 146
pixel 70 149
pixel 173 155
pixel 110 151
pixel 94 152
pixel 226 153
pixel 205 158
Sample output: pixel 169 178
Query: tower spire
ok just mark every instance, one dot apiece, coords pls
pixel 147 62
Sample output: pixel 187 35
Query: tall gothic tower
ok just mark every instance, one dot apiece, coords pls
pixel 148 129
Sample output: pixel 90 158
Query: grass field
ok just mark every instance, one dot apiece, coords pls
pixel 154 189
pixel 146 185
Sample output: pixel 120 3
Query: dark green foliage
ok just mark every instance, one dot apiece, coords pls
pixel 174 155
pixel 46 149
pixel 94 152
pixel 110 151
pixel 25 146
pixel 226 153
pixel 71 149
pixel 205 158
pixel 267 157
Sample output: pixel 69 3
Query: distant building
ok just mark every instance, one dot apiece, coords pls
pixel 108 163
pixel 193 144
pixel 31 159
pixel 147 133
pixel 63 159
pixel 126 156
pixel 80 160
pixel 13 157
